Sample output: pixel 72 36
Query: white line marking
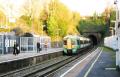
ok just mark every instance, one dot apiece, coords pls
pixel 77 64
pixel 86 74
pixel 110 68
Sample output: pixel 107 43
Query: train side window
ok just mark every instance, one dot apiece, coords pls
pixel 85 41
pixel 81 41
pixel 78 42
pixel 118 24
pixel 65 42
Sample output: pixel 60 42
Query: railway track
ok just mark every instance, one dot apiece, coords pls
pixel 44 68
pixel 62 70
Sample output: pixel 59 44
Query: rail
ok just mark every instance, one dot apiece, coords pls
pixel 43 68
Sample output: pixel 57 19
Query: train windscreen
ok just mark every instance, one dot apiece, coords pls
pixel 73 42
pixel 65 42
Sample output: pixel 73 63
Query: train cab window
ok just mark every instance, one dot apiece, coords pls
pixel 73 42
pixel 65 42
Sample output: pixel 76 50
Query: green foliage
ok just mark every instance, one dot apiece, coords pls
pixel 52 26
pixel 55 15
pixel 113 17
pixel 89 26
pixel 59 19
pixel 2 18
pixel 27 20
pixel 113 14
pixel 92 24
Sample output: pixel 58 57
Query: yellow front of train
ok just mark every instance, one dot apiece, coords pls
pixel 69 45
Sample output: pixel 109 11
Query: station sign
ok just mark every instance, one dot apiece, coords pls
pixel 6 42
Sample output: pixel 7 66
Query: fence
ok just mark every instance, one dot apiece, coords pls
pixel 1 44
pixel 29 44
pixel 57 44
pixel 111 42
pixel 26 44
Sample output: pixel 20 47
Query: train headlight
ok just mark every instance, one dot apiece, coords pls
pixel 65 50
pixel 65 46
pixel 74 50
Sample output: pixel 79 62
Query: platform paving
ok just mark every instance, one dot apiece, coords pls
pixel 103 67
pixel 11 57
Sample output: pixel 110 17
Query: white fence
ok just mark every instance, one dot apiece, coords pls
pixel 111 42
pixel 114 42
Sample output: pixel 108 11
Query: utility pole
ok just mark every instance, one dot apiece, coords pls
pixel 117 34
pixel 116 23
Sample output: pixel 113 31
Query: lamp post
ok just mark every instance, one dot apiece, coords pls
pixel 10 20
pixel 116 23
pixel 43 26
pixel 31 16
pixel 116 34
pixel 58 37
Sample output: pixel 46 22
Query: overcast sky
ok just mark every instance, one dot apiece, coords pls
pixel 84 7
pixel 88 7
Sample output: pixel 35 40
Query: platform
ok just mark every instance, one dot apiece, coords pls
pixel 104 66
pixel 11 57
pixel 10 62
pixel 99 64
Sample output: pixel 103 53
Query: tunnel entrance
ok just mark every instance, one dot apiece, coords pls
pixel 94 39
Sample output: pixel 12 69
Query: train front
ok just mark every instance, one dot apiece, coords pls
pixel 69 45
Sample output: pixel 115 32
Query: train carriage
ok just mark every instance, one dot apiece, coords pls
pixel 73 44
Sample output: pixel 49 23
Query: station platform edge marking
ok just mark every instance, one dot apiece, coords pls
pixel 86 74
pixel 78 63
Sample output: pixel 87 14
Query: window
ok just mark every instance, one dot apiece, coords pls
pixel 81 41
pixel 73 42
pixel 65 42
pixel 78 42
pixel 118 24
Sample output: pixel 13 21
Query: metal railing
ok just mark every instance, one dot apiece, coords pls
pixel 26 44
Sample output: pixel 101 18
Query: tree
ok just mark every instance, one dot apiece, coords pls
pixel 112 16
pixel 30 16
pixel 92 24
pixel 3 21
pixel 2 18
pixel 75 22
pixel 61 20
pixel 53 17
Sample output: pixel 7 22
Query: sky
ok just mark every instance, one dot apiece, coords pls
pixel 87 7
pixel 15 4
pixel 84 7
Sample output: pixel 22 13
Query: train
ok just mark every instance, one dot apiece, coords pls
pixel 73 44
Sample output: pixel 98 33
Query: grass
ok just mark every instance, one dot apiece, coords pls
pixel 112 54
pixel 108 49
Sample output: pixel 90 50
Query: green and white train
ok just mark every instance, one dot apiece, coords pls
pixel 73 44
